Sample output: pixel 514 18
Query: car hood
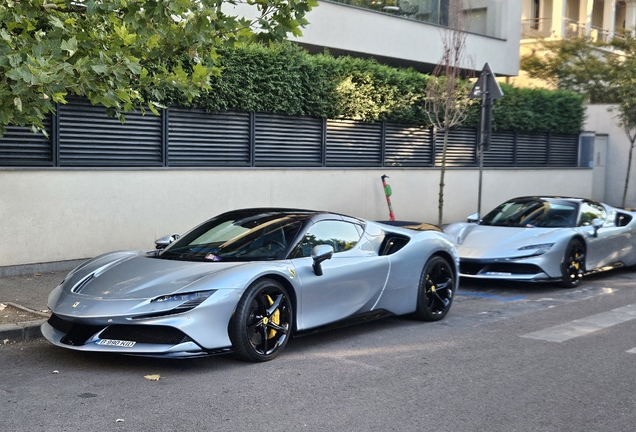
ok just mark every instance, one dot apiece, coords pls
pixel 482 241
pixel 123 276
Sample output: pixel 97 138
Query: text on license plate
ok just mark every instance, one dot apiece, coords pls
pixel 117 343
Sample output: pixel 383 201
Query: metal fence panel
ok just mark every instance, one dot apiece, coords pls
pixel 532 150
pixel 89 138
pixel 564 150
pixel 284 141
pixel 198 138
pixel 21 147
pixel 460 149
pixel 354 144
pixel 502 150
pixel 408 146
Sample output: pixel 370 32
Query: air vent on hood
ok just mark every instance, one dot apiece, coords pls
pixel 81 284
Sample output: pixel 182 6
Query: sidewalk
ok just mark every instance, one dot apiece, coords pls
pixel 24 299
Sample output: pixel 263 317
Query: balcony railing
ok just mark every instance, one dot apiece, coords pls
pixel 599 34
pixel 573 29
pixel 536 28
pixel 435 12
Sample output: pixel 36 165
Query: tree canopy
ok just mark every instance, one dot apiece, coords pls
pixel 580 64
pixel 109 50
pixel 604 72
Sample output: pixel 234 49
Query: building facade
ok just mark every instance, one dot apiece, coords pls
pixel 407 32
pixel 598 19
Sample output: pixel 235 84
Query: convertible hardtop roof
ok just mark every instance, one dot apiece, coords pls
pixel 548 197
pixel 284 210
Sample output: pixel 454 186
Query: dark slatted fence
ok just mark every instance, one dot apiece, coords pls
pixel 82 135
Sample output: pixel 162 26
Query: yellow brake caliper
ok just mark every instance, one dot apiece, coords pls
pixel 575 263
pixel 428 278
pixel 275 317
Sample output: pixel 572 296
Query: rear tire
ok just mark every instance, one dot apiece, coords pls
pixel 573 265
pixel 436 290
pixel 261 325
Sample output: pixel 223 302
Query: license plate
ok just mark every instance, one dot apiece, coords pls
pixel 116 343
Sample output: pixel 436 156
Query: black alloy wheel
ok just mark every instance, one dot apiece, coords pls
pixel 261 325
pixel 437 287
pixel 573 265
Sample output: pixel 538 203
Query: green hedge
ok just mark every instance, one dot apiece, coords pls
pixel 537 110
pixel 285 79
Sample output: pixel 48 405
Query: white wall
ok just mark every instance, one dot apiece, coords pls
pixel 340 27
pixel 602 121
pixel 56 214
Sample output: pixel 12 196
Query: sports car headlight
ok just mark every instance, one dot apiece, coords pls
pixel 190 300
pixel 539 249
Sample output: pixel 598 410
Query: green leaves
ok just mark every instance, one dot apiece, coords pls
pixel 145 54
pixel 111 51
pixel 577 64
pixel 126 37
pixel 69 46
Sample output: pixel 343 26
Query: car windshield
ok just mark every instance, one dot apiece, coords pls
pixel 238 237
pixel 533 212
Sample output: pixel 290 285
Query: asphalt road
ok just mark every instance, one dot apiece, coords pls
pixel 491 365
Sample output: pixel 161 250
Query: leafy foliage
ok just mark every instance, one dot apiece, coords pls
pixel 603 72
pixel 578 64
pixel 534 110
pixel 285 79
pixel 366 90
pixel 140 54
pixel 280 78
pixel 624 82
pixel 108 50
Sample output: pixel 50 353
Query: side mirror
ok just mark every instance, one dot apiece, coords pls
pixel 597 224
pixel 473 218
pixel 164 242
pixel 319 254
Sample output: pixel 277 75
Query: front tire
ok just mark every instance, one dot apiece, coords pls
pixel 261 325
pixel 436 291
pixel 573 265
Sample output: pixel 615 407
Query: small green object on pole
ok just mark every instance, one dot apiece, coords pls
pixel 388 192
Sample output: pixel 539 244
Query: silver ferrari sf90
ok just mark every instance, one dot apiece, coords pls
pixel 247 280
pixel 545 239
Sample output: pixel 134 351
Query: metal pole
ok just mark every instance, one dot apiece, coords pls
pixel 480 152
pixel 482 135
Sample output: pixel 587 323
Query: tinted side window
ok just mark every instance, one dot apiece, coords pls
pixel 339 234
pixel 591 211
pixel 623 219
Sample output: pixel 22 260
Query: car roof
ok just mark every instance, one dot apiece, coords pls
pixel 300 213
pixel 552 198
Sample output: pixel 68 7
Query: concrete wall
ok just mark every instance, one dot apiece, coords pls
pixel 340 27
pixel 602 122
pixel 345 29
pixel 55 214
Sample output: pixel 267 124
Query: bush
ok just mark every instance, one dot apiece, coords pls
pixel 285 79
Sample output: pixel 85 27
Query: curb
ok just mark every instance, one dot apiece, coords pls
pixel 22 331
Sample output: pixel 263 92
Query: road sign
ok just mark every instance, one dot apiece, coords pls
pixel 486 88
pixel 486 84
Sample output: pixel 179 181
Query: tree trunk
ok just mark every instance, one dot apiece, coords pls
pixel 629 168
pixel 440 204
